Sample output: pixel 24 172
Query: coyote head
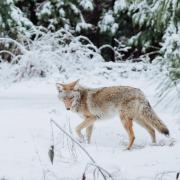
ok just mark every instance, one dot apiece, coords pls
pixel 69 93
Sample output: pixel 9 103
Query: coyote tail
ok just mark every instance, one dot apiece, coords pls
pixel 153 120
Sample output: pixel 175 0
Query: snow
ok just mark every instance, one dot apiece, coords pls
pixel 87 5
pixel 26 108
pixel 74 8
pixel 9 1
pixel 120 5
pixel 1 19
pixel 83 25
pixel 46 9
pixel 108 23
pixel 23 22
pixel 62 12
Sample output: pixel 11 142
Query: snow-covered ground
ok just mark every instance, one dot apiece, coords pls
pixel 25 134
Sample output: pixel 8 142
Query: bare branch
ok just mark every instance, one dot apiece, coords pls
pixel 101 170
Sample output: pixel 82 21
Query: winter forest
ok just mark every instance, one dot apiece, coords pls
pixel 101 43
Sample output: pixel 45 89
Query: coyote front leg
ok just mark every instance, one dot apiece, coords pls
pixel 127 123
pixel 87 123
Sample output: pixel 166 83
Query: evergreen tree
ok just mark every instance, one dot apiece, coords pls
pixel 55 14
pixel 6 21
pixel 12 21
pixel 170 51
pixel 149 24
pixel 29 8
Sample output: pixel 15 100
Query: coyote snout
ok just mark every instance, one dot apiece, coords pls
pixel 68 102
pixel 95 104
pixel 69 94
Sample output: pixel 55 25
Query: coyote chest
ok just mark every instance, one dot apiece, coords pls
pixel 99 110
pixel 102 111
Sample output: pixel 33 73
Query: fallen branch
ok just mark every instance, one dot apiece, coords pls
pixel 103 172
pixel 160 176
pixel 96 168
pixel 177 175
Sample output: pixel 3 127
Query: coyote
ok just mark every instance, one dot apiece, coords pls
pixel 94 104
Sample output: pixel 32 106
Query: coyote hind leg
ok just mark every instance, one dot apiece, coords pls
pixel 150 130
pixel 89 133
pixel 128 125
pixel 152 133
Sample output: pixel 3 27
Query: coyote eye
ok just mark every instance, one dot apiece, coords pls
pixel 71 97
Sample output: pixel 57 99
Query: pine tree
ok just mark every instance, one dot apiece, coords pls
pixel 55 14
pixel 6 21
pixel 12 21
pixel 171 43
pixel 29 8
pixel 13 24
pixel 152 24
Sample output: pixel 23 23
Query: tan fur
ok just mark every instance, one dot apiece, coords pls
pixel 101 103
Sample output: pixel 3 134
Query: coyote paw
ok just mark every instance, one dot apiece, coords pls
pixel 153 144
pixel 80 139
pixel 126 149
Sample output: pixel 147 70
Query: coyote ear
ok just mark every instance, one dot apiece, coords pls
pixel 59 86
pixel 76 86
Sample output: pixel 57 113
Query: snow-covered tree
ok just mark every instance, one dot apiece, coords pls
pixel 55 14
pixel 12 21
pixel 148 19
pixel 171 43
pixel 152 25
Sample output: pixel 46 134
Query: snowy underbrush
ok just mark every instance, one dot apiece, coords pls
pixel 167 91
pixel 49 53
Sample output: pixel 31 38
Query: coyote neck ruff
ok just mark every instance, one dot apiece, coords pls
pixel 102 103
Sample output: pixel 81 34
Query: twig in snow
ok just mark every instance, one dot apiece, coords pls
pixel 177 175
pixel 103 172
pixel 160 176
pixel 95 172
